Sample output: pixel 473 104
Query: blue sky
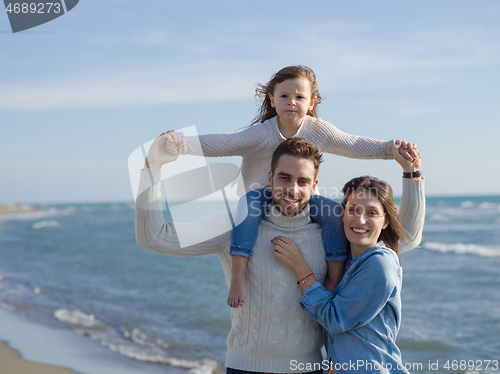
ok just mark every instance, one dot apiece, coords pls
pixel 80 93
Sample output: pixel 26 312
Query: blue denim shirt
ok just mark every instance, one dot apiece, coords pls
pixel 361 318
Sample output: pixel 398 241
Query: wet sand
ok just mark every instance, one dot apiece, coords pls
pixel 12 363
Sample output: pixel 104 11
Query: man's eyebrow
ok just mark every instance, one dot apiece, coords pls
pixel 282 173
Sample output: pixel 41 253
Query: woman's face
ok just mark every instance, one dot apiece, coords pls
pixel 364 219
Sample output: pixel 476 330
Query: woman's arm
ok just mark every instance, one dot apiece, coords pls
pixel 412 207
pixel 359 301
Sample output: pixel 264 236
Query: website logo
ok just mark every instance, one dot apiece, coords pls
pixel 183 184
pixel 25 15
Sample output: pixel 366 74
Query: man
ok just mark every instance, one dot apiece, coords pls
pixel 271 330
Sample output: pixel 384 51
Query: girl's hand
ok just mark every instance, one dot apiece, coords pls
pixel 407 149
pixel 174 142
pixel 165 149
pixel 290 254
pixel 407 165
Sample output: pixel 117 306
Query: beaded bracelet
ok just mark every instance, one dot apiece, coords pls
pixel 304 280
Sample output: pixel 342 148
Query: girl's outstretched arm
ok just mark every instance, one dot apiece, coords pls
pixel 332 140
pixel 225 145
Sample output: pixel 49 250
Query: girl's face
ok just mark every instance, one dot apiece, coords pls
pixel 292 99
pixel 364 220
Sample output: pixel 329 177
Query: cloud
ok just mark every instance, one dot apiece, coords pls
pixel 149 86
pixel 351 59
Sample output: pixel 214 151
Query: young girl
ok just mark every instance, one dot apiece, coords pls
pixel 288 109
pixel 363 315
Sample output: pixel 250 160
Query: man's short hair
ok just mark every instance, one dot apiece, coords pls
pixel 298 147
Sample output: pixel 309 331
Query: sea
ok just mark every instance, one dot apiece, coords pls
pixel 76 270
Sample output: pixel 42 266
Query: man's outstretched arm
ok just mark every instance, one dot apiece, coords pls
pixel 205 236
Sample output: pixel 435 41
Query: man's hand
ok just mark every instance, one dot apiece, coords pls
pixel 174 142
pixel 165 148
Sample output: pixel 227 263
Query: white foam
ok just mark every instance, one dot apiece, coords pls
pixel 149 350
pixel 439 217
pixel 46 223
pixel 139 347
pixel 3 283
pixel 487 205
pixel 76 317
pixel 205 366
pixel 139 337
pixel 461 248
pixel 7 306
pixel 467 204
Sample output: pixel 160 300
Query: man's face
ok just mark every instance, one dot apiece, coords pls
pixel 292 183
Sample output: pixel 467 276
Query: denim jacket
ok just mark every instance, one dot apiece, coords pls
pixel 361 318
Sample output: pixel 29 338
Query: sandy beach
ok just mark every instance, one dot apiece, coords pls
pixel 12 363
pixel 16 209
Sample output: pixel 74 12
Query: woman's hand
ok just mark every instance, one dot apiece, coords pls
pixel 407 149
pixel 407 165
pixel 290 254
pixel 165 148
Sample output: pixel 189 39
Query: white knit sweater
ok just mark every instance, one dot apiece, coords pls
pixel 271 329
pixel 257 143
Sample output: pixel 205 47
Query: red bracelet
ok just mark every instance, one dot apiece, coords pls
pixel 303 280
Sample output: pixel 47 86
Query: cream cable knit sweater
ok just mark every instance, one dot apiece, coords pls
pixel 271 329
pixel 257 143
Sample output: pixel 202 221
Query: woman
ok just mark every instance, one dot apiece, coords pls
pixel 361 318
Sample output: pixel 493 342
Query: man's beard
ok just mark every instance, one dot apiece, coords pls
pixel 286 210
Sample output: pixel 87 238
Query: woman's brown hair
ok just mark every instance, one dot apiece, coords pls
pixel 383 191
pixel 266 111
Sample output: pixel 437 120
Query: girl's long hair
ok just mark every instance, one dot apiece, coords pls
pixel 266 111
pixel 383 191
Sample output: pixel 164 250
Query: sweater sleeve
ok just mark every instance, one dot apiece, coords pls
pixel 412 213
pixel 359 301
pixel 179 239
pixel 225 145
pixel 334 141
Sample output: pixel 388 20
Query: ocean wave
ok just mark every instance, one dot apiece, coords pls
pixel 487 205
pixel 137 344
pixel 3 283
pixel 7 306
pixel 484 205
pixel 147 349
pixel 75 317
pixel 467 204
pixel 439 217
pixel 461 248
pixel 46 223
pixel 28 212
